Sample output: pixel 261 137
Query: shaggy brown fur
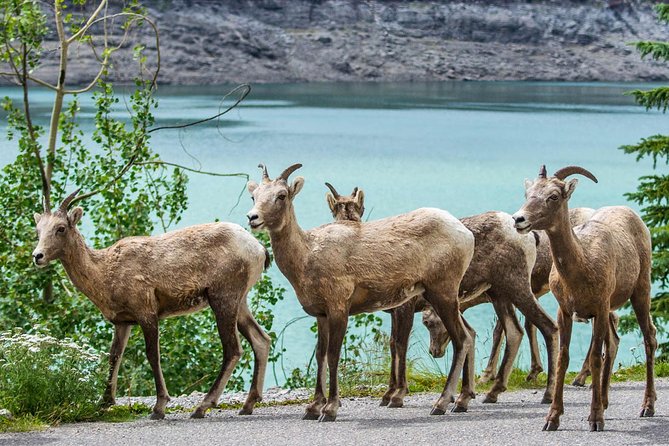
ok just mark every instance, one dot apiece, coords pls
pixel 141 280
pixel 499 272
pixel 597 267
pixel 351 267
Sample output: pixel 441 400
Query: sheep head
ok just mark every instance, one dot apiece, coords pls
pixel 546 198
pixel 439 337
pixel 346 207
pixel 273 199
pixel 55 230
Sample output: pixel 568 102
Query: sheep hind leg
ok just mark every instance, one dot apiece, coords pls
pixel 611 349
pixel 445 303
pixel 489 372
pixel 403 318
pixel 151 338
pixel 535 367
pixel 514 335
pixel 529 307
pixel 641 306
pixel 579 381
pixel 313 410
pixel 226 312
pixel 600 333
pixel 120 341
pixel 468 375
pixel 260 343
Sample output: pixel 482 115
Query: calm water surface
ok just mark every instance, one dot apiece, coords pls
pixel 464 147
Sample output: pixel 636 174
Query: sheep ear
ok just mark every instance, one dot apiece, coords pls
pixel 331 201
pixel 569 188
pixel 37 216
pixel 296 187
pixel 528 183
pixel 75 215
pixel 360 198
pixel 251 186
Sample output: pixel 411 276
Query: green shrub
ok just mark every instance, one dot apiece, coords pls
pixel 54 380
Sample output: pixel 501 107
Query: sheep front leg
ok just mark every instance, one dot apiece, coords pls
pixel 121 335
pixel 403 319
pixel 337 323
pixel 151 338
pixel 489 372
pixel 313 411
pixel 535 366
pixel 557 406
pixel 514 334
pixel 600 333
pixel 392 382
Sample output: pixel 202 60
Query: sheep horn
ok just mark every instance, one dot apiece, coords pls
pixel 286 173
pixel 265 175
pixel 571 170
pixel 332 189
pixel 66 202
pixel 542 171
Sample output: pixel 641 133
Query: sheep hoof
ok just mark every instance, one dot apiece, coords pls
pixel 245 411
pixel 197 414
pixel 384 403
pixel 437 411
pixel 647 412
pixel 490 399
pixel 326 418
pixel 311 416
pixel 396 403
pixel 157 416
pixel 596 426
pixel 547 399
pixel 550 426
pixel 578 383
pixel 458 409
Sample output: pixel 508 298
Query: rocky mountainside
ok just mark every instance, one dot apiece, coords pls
pixel 216 41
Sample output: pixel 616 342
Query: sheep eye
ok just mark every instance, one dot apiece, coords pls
pixel 553 197
pixel 281 197
pixel 60 230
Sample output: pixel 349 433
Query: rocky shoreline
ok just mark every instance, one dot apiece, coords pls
pixel 212 42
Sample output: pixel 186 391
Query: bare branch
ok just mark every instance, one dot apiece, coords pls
pixel 41 82
pixel 116 178
pixel 91 20
pixel 109 51
pixel 245 87
pixel 203 172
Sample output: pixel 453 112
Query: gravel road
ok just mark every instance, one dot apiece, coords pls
pixel 516 419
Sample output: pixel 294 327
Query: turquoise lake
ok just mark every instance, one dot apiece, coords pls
pixel 461 146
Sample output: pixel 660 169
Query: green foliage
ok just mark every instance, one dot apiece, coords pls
pixel 50 379
pixel 138 194
pixel 652 193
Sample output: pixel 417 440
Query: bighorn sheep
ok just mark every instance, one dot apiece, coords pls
pixel 347 268
pixel 141 280
pixel 539 280
pixel 597 267
pixel 499 272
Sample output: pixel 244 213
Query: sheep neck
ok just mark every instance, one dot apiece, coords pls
pixel 83 266
pixel 567 252
pixel 290 247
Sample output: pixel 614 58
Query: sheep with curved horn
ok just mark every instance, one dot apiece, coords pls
pixel 343 269
pixel 597 268
pixel 500 273
pixel 141 280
